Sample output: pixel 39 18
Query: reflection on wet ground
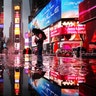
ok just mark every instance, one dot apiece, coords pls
pixel 66 72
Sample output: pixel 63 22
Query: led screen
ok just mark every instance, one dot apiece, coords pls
pixel 70 8
pixel 87 11
pixel 70 92
pixel 54 11
pixel 50 14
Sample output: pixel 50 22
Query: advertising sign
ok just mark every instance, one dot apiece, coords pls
pixel 47 33
pixel 70 8
pixel 33 41
pixel 49 14
pixel 87 11
pixel 70 92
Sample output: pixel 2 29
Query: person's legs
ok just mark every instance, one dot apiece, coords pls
pixel 39 57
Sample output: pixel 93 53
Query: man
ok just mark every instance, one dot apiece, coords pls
pixel 39 42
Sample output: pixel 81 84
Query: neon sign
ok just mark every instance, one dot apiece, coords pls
pixel 17 28
pixel 16 7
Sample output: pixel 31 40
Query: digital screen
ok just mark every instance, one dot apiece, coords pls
pixel 70 92
pixel 70 8
pixel 50 14
pixel 87 10
pixel 47 32
pixel 17 81
pixel 17 23
pixel 54 11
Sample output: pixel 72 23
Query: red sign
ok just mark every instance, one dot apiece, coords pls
pixel 87 11
pixel 68 30
pixel 76 29
pixel 58 31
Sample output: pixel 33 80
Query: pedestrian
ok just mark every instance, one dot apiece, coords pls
pixel 39 39
pixel 39 42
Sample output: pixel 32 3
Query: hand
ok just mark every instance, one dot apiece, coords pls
pixel 36 37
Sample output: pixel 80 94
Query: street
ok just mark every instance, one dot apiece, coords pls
pixel 66 72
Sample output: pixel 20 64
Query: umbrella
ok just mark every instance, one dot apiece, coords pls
pixel 38 31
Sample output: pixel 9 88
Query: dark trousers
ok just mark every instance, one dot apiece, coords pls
pixel 39 56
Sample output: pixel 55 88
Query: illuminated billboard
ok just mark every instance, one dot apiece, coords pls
pixel 87 11
pixel 70 8
pixel 17 28
pixel 48 15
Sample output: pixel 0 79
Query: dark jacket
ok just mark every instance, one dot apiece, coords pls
pixel 39 42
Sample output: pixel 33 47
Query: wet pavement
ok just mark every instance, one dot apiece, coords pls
pixel 64 76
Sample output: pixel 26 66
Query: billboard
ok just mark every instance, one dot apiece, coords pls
pixel 54 11
pixel 87 10
pixel 70 8
pixel 48 15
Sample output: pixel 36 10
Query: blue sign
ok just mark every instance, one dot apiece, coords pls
pixel 46 88
pixel 49 14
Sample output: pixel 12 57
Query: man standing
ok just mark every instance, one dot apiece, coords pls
pixel 39 42
pixel 39 39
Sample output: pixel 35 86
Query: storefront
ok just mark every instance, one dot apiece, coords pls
pixel 67 32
